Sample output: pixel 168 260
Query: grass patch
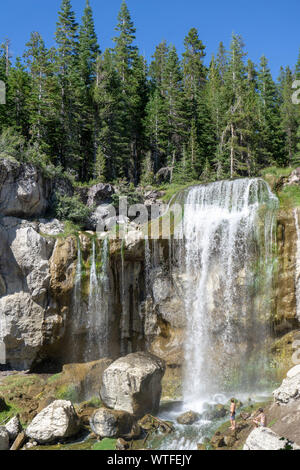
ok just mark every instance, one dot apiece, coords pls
pixel 289 197
pixel 11 411
pixel 67 392
pixel 94 402
pixel 173 188
pixel 54 378
pixel 105 444
pixel 20 382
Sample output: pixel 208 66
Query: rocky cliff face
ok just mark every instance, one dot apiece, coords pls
pixel 145 310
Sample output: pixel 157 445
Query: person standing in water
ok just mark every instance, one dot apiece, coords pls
pixel 232 414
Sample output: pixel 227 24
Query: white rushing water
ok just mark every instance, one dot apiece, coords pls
pixel 97 315
pixel 225 260
pixel 228 230
pixel 297 267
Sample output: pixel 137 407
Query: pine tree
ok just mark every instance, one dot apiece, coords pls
pixel 38 63
pixel 270 135
pixel 67 72
pixel 196 110
pixel 173 90
pixel 156 129
pixel 232 148
pixel 18 92
pixel 288 112
pixel 107 91
pixel 88 51
pixel 158 65
pixel 132 76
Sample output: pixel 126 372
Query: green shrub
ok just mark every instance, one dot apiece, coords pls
pixel 71 208
pixel 67 392
pixel 12 145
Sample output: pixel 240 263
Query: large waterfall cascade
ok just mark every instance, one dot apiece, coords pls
pixel 225 257
pixel 228 238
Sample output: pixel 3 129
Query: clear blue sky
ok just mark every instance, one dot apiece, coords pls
pixel 269 27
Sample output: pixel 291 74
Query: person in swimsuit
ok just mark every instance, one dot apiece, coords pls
pixel 232 414
pixel 261 419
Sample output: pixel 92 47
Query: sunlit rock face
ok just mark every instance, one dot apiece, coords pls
pixel 26 317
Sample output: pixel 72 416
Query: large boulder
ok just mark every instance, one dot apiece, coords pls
pixel 265 439
pixel 133 384
pixel 289 390
pixel 99 194
pixel 23 189
pixel 59 420
pixel 112 423
pixel 4 438
pixel 13 427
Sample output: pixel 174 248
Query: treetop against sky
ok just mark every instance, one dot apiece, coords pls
pixel 269 27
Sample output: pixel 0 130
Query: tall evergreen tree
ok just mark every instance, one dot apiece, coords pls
pixel 67 71
pixel 88 51
pixel 288 115
pixel 132 74
pixel 270 134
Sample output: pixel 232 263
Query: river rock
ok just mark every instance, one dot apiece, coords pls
pixel 215 412
pixel 111 423
pixel 133 384
pixel 289 390
pixel 190 417
pixel 265 439
pixel 13 428
pixel 4 438
pixel 58 420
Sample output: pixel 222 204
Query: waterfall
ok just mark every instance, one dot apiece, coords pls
pixel 147 266
pixel 228 231
pixel 124 303
pixel 97 315
pixel 77 289
pixel 297 269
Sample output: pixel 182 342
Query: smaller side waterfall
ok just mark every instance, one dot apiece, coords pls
pixel 77 310
pixel 297 267
pixel 97 315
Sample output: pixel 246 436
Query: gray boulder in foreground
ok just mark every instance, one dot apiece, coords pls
pixel 13 428
pixel 111 423
pixel 133 384
pixel 289 390
pixel 265 439
pixel 4 438
pixel 58 420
